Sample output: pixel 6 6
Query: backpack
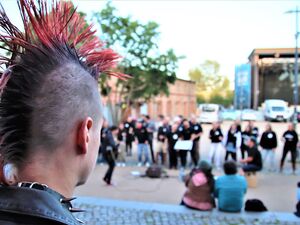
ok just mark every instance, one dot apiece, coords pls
pixel 154 171
pixel 255 205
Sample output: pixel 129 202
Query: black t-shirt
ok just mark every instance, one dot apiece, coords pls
pixel 162 133
pixel 231 137
pixel 291 139
pixel 172 138
pixel 214 135
pixel 255 154
pixel 196 129
pixel 141 134
pixel 186 133
pixel 245 138
pixel 254 132
pixel 268 140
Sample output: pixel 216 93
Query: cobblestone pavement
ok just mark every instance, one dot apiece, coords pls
pixel 120 215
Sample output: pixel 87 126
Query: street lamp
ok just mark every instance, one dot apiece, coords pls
pixel 295 67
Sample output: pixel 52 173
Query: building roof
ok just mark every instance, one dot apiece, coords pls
pixel 272 53
pixel 189 81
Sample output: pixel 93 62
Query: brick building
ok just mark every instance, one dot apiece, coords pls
pixel 181 100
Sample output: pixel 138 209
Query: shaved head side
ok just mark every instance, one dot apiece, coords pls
pixel 68 95
pixel 49 92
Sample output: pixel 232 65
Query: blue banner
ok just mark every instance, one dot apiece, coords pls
pixel 242 91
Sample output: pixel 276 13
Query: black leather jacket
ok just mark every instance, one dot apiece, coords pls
pixel 32 205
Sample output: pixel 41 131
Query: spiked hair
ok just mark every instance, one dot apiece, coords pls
pixel 53 65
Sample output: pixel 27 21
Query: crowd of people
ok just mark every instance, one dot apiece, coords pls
pixel 156 144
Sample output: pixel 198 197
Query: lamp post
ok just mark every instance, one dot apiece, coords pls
pixel 295 67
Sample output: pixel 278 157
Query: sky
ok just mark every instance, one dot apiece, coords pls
pixel 224 31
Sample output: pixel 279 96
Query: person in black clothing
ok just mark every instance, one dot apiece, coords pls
pixel 196 130
pixel 150 126
pixel 268 142
pixel 161 145
pixel 121 139
pixel 290 145
pixel 185 133
pixel 216 137
pixel 253 162
pixel 238 125
pixel 110 148
pixel 173 137
pixel 253 130
pixel 141 136
pixel 246 135
pixel 129 128
pixel 232 142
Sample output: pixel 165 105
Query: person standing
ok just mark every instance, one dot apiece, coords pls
pixel 150 126
pixel 121 139
pixel 141 136
pixel 196 130
pixel 216 137
pixel 161 144
pixel 253 162
pixel 268 142
pixel 173 137
pixel 246 134
pixel 232 142
pixel 290 138
pixel 230 189
pixel 185 135
pixel 110 148
pixel 129 128
pixel 253 130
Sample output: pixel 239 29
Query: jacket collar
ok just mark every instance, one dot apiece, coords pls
pixel 43 203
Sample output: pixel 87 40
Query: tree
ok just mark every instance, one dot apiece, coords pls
pixel 210 85
pixel 150 71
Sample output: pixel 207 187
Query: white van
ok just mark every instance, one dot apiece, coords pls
pixel 210 113
pixel 276 110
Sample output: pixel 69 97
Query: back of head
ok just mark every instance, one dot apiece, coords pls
pixel 205 167
pixel 51 79
pixel 230 168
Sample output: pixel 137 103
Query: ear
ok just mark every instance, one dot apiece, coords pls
pixel 83 135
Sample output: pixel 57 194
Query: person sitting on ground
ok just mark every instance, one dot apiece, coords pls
pixel 253 162
pixel 200 188
pixel 230 189
pixel 50 111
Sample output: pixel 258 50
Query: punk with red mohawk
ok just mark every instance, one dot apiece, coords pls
pixel 50 110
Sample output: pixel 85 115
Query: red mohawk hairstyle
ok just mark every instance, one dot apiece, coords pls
pixel 47 27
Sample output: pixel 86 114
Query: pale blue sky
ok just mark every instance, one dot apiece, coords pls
pixel 225 31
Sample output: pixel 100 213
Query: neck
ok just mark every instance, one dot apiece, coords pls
pixel 49 171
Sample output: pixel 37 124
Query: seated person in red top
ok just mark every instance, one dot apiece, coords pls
pixel 253 162
pixel 200 188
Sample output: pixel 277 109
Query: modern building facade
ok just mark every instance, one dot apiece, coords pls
pixel 272 75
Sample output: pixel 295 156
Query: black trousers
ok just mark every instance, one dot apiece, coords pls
pixel 172 157
pixel 232 154
pixel 182 156
pixel 243 151
pixel 150 142
pixel 293 156
pixel 108 155
pixel 128 147
pixel 195 153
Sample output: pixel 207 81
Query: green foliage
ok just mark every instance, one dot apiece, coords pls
pixel 211 87
pixel 151 71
